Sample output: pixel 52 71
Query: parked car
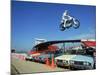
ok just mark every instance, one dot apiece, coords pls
pixel 75 61
pixel 28 58
pixel 42 58
pixel 63 60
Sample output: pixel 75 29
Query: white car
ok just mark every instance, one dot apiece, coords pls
pixel 75 61
pixel 29 57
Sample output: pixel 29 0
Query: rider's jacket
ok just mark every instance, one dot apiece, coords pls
pixel 66 17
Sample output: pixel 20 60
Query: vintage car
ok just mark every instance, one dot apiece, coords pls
pixel 28 58
pixel 63 60
pixel 75 61
pixel 41 58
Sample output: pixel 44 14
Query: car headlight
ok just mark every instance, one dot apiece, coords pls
pixel 65 62
pixel 55 60
pixel 72 62
pixel 86 63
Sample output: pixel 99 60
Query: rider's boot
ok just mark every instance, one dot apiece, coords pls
pixel 64 24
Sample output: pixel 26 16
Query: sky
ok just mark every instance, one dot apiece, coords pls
pixel 30 20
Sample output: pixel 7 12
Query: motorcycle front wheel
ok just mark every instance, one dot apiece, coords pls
pixel 77 24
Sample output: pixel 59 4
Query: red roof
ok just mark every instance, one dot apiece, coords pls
pixel 89 43
pixel 52 48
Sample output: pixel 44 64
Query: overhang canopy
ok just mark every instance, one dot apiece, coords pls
pixel 48 43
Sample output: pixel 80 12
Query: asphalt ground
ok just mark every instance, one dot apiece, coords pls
pixel 19 66
pixel 14 71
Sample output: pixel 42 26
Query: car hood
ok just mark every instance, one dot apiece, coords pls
pixel 75 58
pixel 82 58
pixel 65 57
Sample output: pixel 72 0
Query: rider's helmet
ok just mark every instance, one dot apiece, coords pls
pixel 66 13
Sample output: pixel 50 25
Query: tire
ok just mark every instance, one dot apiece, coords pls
pixel 94 66
pixel 71 68
pixel 76 25
pixel 61 27
pixel 26 59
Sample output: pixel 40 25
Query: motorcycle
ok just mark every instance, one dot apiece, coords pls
pixel 68 22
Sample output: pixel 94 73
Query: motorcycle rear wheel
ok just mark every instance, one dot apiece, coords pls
pixel 61 27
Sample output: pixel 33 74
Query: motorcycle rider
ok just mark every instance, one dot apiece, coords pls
pixel 66 18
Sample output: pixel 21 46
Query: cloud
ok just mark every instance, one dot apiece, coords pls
pixel 84 36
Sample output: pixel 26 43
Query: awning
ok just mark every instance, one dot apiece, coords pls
pixel 89 43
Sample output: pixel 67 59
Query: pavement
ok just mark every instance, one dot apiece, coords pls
pixel 19 66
